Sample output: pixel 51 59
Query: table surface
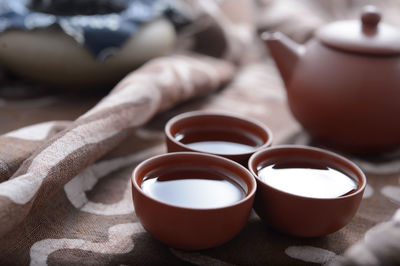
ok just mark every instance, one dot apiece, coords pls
pixel 99 226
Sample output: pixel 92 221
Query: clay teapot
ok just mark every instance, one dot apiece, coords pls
pixel 343 85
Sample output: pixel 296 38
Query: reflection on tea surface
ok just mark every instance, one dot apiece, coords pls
pixel 308 182
pixel 193 188
pixel 221 147
pixel 219 140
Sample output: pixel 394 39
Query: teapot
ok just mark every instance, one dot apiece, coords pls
pixel 343 86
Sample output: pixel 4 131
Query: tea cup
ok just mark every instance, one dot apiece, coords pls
pixel 305 215
pixel 199 215
pixel 228 135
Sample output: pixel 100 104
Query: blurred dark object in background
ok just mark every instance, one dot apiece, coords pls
pixel 78 7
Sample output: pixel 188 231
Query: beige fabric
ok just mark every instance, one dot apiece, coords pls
pixel 156 86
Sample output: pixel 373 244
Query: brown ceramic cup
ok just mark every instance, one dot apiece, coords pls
pixel 185 129
pixel 305 216
pixel 192 228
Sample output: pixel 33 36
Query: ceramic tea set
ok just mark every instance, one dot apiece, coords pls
pixel 342 86
pixel 200 196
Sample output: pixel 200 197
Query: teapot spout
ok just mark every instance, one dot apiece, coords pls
pixel 285 53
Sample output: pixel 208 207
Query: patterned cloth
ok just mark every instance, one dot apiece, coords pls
pixel 65 197
pixel 101 33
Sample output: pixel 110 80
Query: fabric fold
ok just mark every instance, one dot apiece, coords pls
pixel 19 144
pixel 158 85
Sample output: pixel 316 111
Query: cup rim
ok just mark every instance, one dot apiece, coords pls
pixel 230 115
pixel 355 169
pixel 251 190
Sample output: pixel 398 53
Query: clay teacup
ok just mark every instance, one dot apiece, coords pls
pixel 227 135
pixel 200 222
pixel 302 215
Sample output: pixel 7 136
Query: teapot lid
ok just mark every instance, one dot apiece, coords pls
pixel 366 35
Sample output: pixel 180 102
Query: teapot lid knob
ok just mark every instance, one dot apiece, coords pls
pixel 367 35
pixel 370 16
